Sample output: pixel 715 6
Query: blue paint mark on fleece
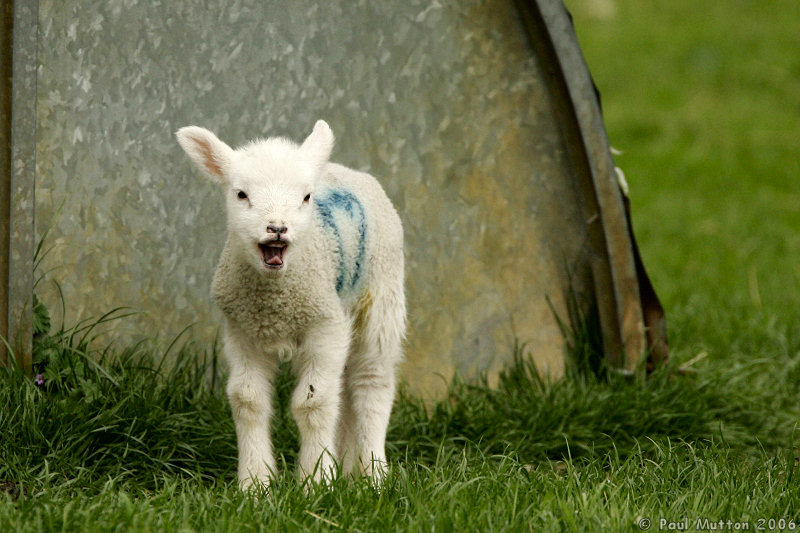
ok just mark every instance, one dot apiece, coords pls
pixel 331 204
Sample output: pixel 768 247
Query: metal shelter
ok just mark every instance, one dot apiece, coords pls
pixel 479 117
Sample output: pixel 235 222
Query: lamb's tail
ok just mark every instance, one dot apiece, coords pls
pixel 380 320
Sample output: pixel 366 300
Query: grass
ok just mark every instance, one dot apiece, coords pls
pixel 703 99
pixel 136 443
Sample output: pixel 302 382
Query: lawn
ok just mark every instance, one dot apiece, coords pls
pixel 703 98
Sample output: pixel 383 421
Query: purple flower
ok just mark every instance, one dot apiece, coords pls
pixel 39 380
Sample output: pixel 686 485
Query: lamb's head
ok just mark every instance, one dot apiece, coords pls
pixel 268 188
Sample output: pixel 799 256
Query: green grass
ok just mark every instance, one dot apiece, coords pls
pixel 703 98
pixel 133 443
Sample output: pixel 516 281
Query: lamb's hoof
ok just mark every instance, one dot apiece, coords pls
pixel 376 472
pixel 255 487
pixel 322 477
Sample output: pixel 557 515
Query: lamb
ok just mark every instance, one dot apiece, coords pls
pixel 312 273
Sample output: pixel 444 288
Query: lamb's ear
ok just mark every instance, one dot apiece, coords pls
pixel 211 155
pixel 319 144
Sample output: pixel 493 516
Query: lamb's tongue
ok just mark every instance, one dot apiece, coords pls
pixel 273 255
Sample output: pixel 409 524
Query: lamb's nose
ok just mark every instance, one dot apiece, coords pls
pixel 277 229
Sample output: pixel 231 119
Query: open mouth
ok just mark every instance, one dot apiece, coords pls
pixel 272 253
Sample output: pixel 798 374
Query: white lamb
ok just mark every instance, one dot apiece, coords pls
pixel 312 272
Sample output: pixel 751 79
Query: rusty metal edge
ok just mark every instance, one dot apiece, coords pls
pixel 655 319
pixel 22 242
pixel 552 36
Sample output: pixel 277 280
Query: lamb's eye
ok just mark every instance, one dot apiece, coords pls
pixel 241 195
pixel 307 198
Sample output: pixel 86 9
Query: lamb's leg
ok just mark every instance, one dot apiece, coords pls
pixel 370 380
pixel 346 439
pixel 316 400
pixel 250 394
pixel 370 391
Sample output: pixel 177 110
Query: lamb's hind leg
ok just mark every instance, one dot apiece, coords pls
pixel 370 383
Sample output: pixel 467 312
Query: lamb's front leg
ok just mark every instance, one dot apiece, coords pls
pixel 315 403
pixel 250 395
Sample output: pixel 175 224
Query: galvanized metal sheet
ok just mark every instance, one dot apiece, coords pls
pixel 18 181
pixel 445 102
